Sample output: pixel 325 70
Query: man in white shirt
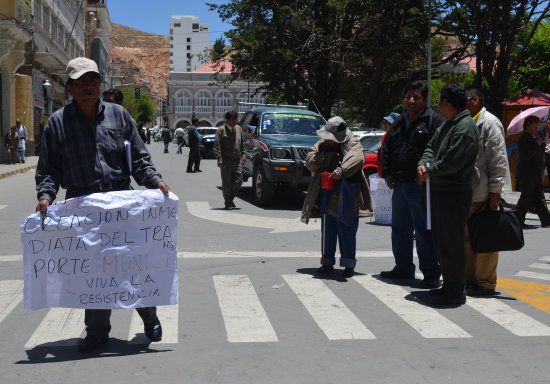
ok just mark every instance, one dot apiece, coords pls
pixel 23 136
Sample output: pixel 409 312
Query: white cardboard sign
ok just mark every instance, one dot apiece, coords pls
pixel 102 251
pixel 381 199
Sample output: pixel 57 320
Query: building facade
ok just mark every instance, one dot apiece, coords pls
pixel 204 94
pixel 98 44
pixel 189 40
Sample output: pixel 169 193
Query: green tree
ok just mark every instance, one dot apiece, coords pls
pixel 142 109
pixel 534 71
pixel 493 32
pixel 218 52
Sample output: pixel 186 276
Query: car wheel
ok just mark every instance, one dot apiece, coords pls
pixel 263 189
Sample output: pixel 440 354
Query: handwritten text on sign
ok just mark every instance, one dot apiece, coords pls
pixel 102 251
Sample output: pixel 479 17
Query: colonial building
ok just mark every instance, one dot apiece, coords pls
pixel 206 94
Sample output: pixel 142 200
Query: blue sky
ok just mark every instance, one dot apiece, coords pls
pixel 154 16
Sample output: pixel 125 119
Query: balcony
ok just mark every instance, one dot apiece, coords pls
pixel 184 109
pixel 203 109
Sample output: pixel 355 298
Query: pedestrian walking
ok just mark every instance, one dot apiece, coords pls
pixel 11 141
pixel 403 146
pixel 180 133
pixel 451 154
pixel 166 138
pixel 194 160
pixel 530 172
pixel 489 178
pixel 83 151
pixel 23 137
pixel 229 152
pixel 339 153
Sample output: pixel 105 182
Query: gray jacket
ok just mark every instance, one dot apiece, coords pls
pixel 491 173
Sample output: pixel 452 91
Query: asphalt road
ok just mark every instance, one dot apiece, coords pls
pixel 250 310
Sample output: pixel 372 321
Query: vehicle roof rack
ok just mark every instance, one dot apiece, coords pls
pixel 272 105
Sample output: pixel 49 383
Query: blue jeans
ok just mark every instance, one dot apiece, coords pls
pixel 333 230
pixel 408 223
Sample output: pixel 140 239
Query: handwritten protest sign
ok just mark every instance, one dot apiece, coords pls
pixel 381 199
pixel 102 251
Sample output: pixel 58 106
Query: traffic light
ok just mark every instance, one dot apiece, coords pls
pixel 138 91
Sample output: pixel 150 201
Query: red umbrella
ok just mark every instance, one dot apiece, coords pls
pixel 516 125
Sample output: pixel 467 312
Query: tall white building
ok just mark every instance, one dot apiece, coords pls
pixel 189 38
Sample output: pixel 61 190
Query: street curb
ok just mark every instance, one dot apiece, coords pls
pixel 20 170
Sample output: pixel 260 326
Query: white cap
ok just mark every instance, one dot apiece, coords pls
pixel 79 66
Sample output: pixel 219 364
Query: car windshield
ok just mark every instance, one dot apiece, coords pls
pixel 207 131
pixel 371 143
pixel 291 123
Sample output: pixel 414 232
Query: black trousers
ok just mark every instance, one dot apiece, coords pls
pixel 533 195
pixel 98 321
pixel 449 215
pixel 194 161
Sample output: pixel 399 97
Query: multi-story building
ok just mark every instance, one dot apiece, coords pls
pixel 98 44
pixel 15 88
pixel 189 41
pixel 204 94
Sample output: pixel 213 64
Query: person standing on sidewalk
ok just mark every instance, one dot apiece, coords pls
pixel 83 151
pixel 530 172
pixel 11 141
pixel 229 151
pixel 194 161
pixel 451 154
pixel 23 137
pixel 403 146
pixel 489 178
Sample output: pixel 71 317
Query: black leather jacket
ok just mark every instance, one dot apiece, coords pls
pixel 403 148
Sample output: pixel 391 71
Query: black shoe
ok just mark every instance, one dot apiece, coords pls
pixel 190 171
pixel 477 291
pixel 429 284
pixel 395 275
pixel 348 272
pixel 91 343
pixel 198 170
pixel 153 330
pixel 448 300
pixel 228 206
pixel 232 205
pixel 325 269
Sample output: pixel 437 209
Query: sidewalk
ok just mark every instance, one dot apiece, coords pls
pixel 13 169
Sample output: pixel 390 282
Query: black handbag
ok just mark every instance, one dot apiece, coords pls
pixel 495 231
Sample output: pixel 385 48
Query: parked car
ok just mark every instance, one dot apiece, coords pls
pixel 371 149
pixel 277 141
pixel 206 143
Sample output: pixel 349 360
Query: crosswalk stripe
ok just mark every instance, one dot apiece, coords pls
pixel 540 266
pixel 545 258
pixel 534 275
pixel 60 327
pixel 514 321
pixel 245 318
pixel 11 294
pixel 327 310
pixel 168 316
pixel 426 321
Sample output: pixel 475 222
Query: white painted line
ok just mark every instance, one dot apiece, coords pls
pixel 425 320
pixel 516 322
pixel 534 275
pixel 11 258
pixel 540 266
pixel 203 210
pixel 545 258
pixel 168 316
pixel 11 294
pixel 327 310
pixel 276 255
pixel 2 206
pixel 243 314
pixel 60 327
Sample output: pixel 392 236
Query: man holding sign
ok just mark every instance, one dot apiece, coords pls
pixel 84 151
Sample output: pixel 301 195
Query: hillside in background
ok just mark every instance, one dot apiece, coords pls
pixel 140 59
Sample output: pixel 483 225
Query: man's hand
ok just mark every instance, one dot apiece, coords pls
pixel 220 163
pixel 164 188
pixel 42 206
pixel 389 183
pixel 336 174
pixel 494 201
pixel 422 174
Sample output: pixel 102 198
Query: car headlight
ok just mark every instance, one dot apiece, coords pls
pixel 209 140
pixel 281 154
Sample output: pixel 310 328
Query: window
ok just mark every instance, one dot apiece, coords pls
pixel 188 39
pixel 46 20
pixel 54 29
pixel 203 102
pixel 195 26
pixel 171 53
pixel 38 11
pixel 177 25
pixel 224 102
pixel 188 55
pixel 188 47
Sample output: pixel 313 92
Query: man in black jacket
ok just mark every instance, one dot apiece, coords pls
pixel 403 147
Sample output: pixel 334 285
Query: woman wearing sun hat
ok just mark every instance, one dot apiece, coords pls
pixel 341 154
